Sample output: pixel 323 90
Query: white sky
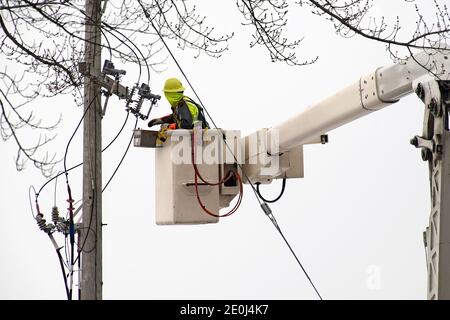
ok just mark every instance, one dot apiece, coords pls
pixel 360 210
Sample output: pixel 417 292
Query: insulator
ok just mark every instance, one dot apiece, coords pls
pixel 131 97
pixel 55 215
pixel 41 223
pixel 63 227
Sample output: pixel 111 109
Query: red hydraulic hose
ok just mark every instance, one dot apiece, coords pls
pixel 227 176
pixel 197 172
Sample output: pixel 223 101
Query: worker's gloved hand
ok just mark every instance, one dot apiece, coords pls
pixel 154 122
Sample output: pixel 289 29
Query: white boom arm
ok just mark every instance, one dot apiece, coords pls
pixel 182 199
pixel 384 86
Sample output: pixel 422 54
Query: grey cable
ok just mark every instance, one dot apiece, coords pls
pixel 275 223
pixel 262 204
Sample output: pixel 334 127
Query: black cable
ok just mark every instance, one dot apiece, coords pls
pixel 123 157
pixel 131 50
pixel 92 207
pixel 69 291
pixel 79 268
pixel 71 222
pixel 274 221
pixel 66 245
pixel 64 273
pixel 123 42
pixel 75 131
pixel 112 176
pixel 197 96
pixel 212 121
pixel 283 186
pixel 76 166
pixel 89 228
pixel 134 45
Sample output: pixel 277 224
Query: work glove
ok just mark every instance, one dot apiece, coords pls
pixel 154 122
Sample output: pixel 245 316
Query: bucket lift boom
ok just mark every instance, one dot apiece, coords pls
pixel 277 152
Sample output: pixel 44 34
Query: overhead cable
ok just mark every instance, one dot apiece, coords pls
pixel 264 205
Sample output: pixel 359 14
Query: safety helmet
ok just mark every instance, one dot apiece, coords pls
pixel 173 85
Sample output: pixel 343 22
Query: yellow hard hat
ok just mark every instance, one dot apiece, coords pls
pixel 173 85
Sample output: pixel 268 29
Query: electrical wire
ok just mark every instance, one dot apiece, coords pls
pixel 63 273
pixel 123 157
pixel 69 290
pixel 92 207
pixel 79 268
pixel 31 204
pixel 109 47
pixel 89 229
pixel 283 186
pixel 80 250
pixel 147 15
pixel 223 180
pixel 81 163
pixel 54 195
pixel 212 121
pixel 275 223
pixel 134 45
pixel 70 200
pixel 233 210
pixel 110 31
pixel 66 245
pixel 131 50
pixel 75 131
pixel 104 188
pixel 197 172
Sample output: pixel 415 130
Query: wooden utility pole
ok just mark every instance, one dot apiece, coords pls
pixel 91 231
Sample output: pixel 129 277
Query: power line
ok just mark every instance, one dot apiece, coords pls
pixel 120 40
pixel 70 200
pixel 75 131
pixel 81 163
pixel 87 108
pixel 134 45
pixel 54 194
pixel 123 157
pixel 80 250
pixel 147 15
pixel 275 223
pixel 63 273
pixel 31 204
pixel 89 227
pixel 263 205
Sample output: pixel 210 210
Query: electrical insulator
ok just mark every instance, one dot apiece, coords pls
pixel 55 215
pixel 41 222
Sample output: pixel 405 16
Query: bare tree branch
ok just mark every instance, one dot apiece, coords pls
pixel 42 43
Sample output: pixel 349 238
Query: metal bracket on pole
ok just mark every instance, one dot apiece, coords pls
pixel 109 69
pixel 106 82
pixel 435 145
pixel 113 86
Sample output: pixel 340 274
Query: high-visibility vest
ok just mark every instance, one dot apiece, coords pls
pixel 188 110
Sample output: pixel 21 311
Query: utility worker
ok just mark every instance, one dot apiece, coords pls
pixel 185 111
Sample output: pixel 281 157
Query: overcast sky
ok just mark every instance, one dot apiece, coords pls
pixel 355 220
